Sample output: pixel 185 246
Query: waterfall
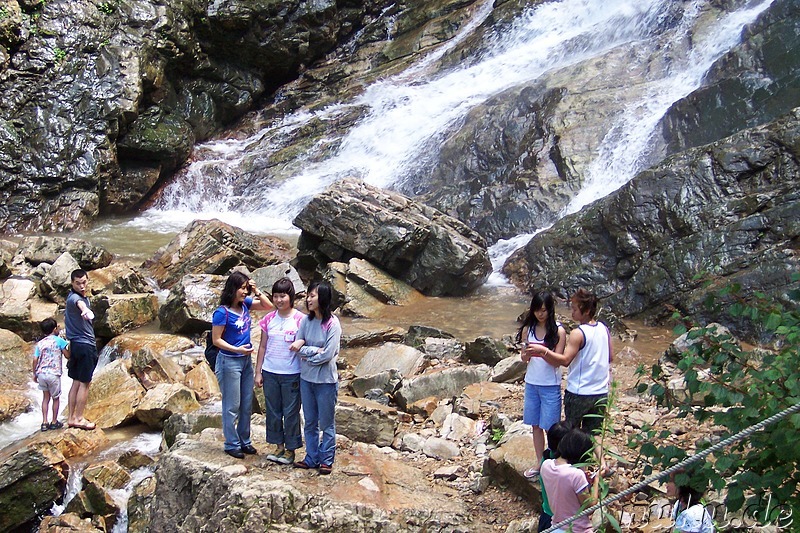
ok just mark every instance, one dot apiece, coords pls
pixel 402 120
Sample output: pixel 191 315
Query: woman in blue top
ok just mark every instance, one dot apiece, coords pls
pixel 317 341
pixel 230 332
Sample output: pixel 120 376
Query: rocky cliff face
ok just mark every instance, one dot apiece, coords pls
pixel 726 212
pixel 103 99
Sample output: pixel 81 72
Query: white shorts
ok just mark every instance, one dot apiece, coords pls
pixel 50 383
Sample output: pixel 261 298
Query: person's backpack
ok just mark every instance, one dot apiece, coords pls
pixel 211 351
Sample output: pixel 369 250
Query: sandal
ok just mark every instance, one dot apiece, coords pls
pixel 55 425
pixel 44 427
pixel 531 473
pixel 324 470
pixel 302 464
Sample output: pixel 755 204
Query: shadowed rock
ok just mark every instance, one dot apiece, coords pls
pixel 434 253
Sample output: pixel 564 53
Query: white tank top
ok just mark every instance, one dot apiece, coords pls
pixel 589 372
pixel 539 371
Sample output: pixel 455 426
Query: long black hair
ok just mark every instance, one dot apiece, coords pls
pixel 232 284
pixel 540 299
pixel 324 299
pixel 576 446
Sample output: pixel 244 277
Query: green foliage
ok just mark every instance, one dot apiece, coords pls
pixel 109 6
pixel 734 387
pixel 60 54
pixel 3 12
pixel 497 434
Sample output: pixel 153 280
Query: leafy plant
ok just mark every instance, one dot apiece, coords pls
pixel 734 387
pixel 60 54
pixel 108 7
pixel 497 435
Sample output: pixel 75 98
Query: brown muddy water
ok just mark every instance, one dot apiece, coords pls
pixel 491 311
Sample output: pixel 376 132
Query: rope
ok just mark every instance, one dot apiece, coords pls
pixel 686 462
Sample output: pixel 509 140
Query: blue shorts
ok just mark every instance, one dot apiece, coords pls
pixel 542 405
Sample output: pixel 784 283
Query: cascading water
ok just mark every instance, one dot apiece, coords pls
pixel 404 118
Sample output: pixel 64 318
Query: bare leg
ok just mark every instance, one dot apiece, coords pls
pixel 538 444
pixel 80 401
pixel 45 405
pixel 56 406
pixel 71 401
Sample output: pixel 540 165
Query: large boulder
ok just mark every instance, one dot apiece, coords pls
pixel 434 253
pixel 214 247
pixel 362 290
pixel 442 383
pixel 46 249
pixel 199 487
pixel 191 303
pixel 114 395
pixel 121 277
pixel 365 421
pixel 31 480
pixel 119 313
pixel 13 403
pixel 164 400
pixel 725 213
pixel 391 355
pixel 20 309
pixel 14 360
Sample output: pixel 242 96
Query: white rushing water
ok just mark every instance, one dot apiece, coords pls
pixel 408 115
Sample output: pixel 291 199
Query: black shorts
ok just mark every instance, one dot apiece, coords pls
pixel 82 360
pixel 585 411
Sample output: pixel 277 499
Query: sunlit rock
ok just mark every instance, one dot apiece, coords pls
pixel 365 421
pixel 119 313
pixel 443 383
pixel 214 247
pixel 114 395
pixel 202 380
pixel 164 400
pixel 47 249
pixel 14 360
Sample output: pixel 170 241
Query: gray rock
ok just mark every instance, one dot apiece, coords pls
pixel 365 421
pixel 139 504
pixel 378 384
pixel 413 442
pixel 265 277
pixel 639 247
pixel 21 311
pixel 430 251
pixel 191 303
pixel 485 350
pixel 373 338
pixel 417 334
pixel 439 448
pixel 191 423
pixel 406 360
pixel 44 249
pixel 509 370
pixel 443 349
pixel 507 463
pixel 442 384
pixel 57 282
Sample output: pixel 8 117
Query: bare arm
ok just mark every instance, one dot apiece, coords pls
pixel 222 344
pixel 262 349
pixel 573 345
pixel 526 358
pixel 260 302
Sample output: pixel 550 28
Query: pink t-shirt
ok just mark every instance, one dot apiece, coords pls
pixel 563 482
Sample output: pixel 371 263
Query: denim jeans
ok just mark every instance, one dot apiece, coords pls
pixel 319 407
pixel 236 381
pixel 282 399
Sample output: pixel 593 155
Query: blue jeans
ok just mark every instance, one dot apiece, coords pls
pixel 282 399
pixel 236 381
pixel 319 407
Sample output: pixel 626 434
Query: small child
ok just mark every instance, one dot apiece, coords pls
pixel 568 487
pixel 689 512
pixel 47 370
pixel 554 436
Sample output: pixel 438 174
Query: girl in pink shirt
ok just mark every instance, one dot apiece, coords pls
pixel 569 488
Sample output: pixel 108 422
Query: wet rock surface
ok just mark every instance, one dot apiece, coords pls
pixel 729 209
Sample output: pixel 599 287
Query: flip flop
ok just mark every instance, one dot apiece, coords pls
pixel 44 427
pixel 87 426
pixel 531 473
